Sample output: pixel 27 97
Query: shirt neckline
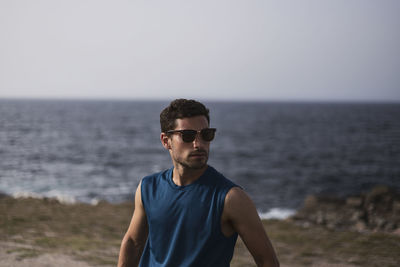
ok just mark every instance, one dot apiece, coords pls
pixel 185 187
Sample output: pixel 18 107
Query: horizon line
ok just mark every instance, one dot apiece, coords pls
pixel 232 100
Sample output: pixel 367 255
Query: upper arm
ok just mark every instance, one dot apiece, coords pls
pixel 240 211
pixel 138 228
pixel 135 238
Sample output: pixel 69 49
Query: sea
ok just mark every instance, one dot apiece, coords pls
pixel 278 152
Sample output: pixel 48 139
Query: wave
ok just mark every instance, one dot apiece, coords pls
pixel 277 213
pixel 274 213
pixel 62 198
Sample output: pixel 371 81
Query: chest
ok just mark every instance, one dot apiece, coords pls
pixel 186 209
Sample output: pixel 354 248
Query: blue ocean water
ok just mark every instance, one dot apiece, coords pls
pixel 278 152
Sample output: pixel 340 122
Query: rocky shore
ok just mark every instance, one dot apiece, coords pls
pixel 46 232
pixel 375 211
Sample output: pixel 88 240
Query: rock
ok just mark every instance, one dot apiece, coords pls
pixel 390 226
pixel 320 218
pixel 397 231
pixel 359 215
pixel 396 207
pixel 360 226
pixel 380 197
pixel 378 191
pixel 311 202
pixel 377 210
pixel 355 202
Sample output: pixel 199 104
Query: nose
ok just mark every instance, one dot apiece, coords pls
pixel 197 140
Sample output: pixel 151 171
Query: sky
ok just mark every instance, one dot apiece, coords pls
pixel 336 50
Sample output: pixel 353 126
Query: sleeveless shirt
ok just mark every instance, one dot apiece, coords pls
pixel 185 221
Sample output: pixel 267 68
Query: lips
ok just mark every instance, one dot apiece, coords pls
pixel 198 154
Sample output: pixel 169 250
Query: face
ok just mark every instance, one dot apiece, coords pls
pixel 193 155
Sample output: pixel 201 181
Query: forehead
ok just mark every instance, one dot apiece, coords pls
pixel 192 123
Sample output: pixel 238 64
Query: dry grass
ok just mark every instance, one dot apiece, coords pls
pixel 93 234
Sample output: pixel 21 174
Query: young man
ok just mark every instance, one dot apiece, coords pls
pixel 191 215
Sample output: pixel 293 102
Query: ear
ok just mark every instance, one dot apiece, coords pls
pixel 165 141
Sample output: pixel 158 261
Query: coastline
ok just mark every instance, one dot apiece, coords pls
pixel 36 231
pixel 274 213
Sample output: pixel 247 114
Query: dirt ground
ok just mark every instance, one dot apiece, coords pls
pixel 37 232
pixel 10 259
pixel 17 255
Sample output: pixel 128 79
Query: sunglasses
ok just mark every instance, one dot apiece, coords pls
pixel 188 136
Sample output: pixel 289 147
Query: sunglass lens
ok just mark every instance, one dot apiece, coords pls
pixel 188 136
pixel 207 134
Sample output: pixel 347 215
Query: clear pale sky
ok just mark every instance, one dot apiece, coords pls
pixel 221 49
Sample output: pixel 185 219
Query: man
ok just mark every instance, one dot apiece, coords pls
pixel 191 215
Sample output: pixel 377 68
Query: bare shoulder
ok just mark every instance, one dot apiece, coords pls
pixel 138 193
pixel 243 217
pixel 139 220
pixel 236 193
pixel 237 198
pixel 138 199
pixel 239 207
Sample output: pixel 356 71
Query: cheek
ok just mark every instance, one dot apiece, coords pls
pixel 175 145
pixel 180 148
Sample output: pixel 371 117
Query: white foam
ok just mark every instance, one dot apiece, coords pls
pixel 277 213
pixel 64 199
pixel 24 194
pixel 94 201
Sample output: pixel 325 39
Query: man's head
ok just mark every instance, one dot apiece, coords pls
pixel 186 134
pixel 179 109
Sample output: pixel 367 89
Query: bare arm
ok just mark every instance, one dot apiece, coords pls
pixel 241 215
pixel 135 238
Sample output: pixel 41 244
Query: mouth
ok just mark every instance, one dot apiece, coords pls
pixel 198 155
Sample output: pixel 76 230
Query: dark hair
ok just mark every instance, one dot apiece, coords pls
pixel 179 109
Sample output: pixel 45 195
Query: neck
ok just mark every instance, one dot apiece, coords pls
pixel 185 176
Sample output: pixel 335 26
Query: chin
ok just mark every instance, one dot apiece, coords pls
pixel 196 166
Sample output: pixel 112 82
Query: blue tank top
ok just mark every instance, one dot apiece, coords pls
pixel 185 221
